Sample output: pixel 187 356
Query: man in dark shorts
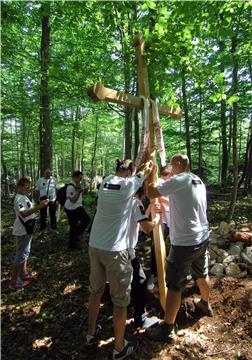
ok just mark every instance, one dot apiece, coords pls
pixel 189 233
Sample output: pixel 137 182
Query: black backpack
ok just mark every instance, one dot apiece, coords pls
pixel 61 194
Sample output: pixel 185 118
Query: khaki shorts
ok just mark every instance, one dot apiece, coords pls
pixel 114 267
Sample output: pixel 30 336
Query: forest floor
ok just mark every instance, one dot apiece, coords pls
pixel 48 319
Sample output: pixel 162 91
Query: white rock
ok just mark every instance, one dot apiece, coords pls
pixel 229 259
pixel 233 269
pixel 242 274
pixel 232 226
pixel 217 270
pixel 222 253
pixel 246 255
pixel 235 250
pixel 224 228
pixel 213 238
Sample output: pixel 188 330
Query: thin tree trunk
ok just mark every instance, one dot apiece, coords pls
pixel 94 153
pixel 4 175
pixel 136 132
pixel 82 149
pixel 200 138
pixel 186 113
pixel 75 127
pixel 235 113
pixel 45 118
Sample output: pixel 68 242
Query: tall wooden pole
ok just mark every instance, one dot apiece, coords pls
pixel 143 86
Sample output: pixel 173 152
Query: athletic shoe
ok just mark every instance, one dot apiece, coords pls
pixel 129 348
pixel 204 307
pixel 151 282
pixel 164 333
pixel 26 276
pixel 20 284
pixel 91 340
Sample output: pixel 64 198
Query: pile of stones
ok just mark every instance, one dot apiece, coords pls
pixel 229 258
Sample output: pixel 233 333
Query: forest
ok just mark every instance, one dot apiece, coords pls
pixel 198 55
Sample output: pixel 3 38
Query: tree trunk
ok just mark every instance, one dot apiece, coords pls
pixel 4 175
pixel 82 149
pixel 234 123
pixel 187 120
pixel 22 147
pixel 45 118
pixel 136 132
pixel 94 153
pixel 200 138
pixel 224 163
pixel 75 127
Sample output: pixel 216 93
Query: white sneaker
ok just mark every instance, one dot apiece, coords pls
pixel 129 348
pixel 151 282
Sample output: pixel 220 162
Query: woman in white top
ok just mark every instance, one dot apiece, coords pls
pixel 23 229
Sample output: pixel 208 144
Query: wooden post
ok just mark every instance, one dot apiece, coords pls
pixel 159 244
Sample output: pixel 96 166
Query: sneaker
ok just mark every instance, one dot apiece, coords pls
pixel 20 284
pixel 204 307
pixel 129 348
pixel 26 276
pixel 146 322
pixel 164 333
pixel 91 340
pixel 151 282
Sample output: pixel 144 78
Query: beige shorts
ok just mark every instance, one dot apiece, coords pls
pixel 114 267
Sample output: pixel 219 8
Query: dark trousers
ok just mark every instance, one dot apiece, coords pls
pixel 78 221
pixel 138 291
pixel 43 214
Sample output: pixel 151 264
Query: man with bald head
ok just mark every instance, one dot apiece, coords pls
pixel 189 233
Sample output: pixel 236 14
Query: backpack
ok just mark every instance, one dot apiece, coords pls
pixel 61 194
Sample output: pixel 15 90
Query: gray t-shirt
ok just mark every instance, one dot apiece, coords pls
pixel 188 205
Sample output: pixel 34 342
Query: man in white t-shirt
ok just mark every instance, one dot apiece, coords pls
pixel 77 217
pixel 46 188
pixel 109 255
pixel 189 233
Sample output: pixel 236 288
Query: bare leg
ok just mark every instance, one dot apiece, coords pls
pixel 119 321
pixel 173 302
pixel 204 287
pixel 93 311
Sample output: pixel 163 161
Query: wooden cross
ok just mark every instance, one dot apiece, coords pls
pixel 98 92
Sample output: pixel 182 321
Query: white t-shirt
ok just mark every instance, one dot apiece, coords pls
pixel 70 192
pixel 115 197
pixel 21 203
pixel 137 215
pixel 188 204
pixel 165 204
pixel 46 189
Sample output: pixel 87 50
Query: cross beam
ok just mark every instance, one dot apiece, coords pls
pixel 98 92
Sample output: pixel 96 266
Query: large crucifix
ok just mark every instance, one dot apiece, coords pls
pixel 98 92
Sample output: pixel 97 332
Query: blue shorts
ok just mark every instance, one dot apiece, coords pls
pixel 186 260
pixel 23 246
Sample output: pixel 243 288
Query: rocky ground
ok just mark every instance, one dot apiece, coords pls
pixel 47 319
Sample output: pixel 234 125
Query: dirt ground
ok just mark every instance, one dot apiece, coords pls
pixel 47 319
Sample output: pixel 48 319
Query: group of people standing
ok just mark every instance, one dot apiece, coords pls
pixel 114 235
pixel 111 244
